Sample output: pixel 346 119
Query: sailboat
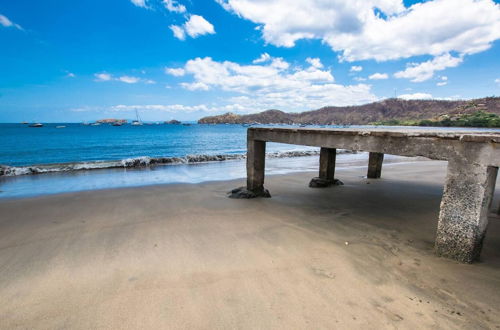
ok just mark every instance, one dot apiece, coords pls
pixel 138 121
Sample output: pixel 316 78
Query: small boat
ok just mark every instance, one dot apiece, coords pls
pixel 95 124
pixel 137 121
pixel 85 124
pixel 36 125
pixel 24 122
pixel 60 126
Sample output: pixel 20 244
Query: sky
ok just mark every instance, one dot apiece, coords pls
pixel 82 60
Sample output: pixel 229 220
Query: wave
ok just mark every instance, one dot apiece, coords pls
pixel 143 161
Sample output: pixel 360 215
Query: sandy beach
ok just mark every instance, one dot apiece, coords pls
pixel 186 256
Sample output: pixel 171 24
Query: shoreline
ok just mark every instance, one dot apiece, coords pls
pixel 186 256
pixel 25 186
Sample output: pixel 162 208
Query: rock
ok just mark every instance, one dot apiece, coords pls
pixel 243 193
pixel 173 122
pixel 318 182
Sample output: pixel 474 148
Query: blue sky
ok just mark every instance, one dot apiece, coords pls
pixel 65 61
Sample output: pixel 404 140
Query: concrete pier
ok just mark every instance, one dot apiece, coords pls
pixel 473 159
pixel 326 178
pixel 375 160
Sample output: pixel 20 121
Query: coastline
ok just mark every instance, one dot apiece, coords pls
pixel 21 186
pixel 358 255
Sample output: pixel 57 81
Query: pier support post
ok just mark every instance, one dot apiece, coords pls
pixel 375 165
pixel 256 163
pixel 327 157
pixel 463 218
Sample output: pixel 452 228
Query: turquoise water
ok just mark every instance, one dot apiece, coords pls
pixel 21 145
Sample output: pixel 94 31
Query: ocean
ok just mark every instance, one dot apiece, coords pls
pixel 21 145
pixel 125 156
pixel 49 160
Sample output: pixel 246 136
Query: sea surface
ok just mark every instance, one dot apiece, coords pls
pixel 21 145
pixel 125 156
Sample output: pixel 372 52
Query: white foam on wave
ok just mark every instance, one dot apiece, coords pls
pixel 143 161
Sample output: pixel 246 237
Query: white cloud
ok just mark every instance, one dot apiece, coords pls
pixel 160 107
pixel 356 68
pixel 275 84
pixel 70 75
pixel 140 3
pixel 419 72
pixel 4 21
pixel 315 62
pixel 194 27
pixel 128 79
pixel 443 82
pixel 103 77
pixel 358 32
pixel 415 96
pixel 195 86
pixel 497 80
pixel 173 6
pixel 100 77
pixel 378 76
pixel 263 58
pixel 197 26
pixel 178 32
pixel 177 72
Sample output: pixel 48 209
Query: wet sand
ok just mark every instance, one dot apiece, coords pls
pixel 186 256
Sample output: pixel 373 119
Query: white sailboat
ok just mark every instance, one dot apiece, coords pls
pixel 138 121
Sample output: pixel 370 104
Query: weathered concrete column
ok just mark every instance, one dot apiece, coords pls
pixel 375 165
pixel 327 158
pixel 463 218
pixel 256 163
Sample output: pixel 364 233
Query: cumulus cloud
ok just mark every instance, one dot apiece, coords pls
pixel 315 62
pixel 497 80
pixel 140 3
pixel 378 76
pixel 263 58
pixel 196 26
pixel 178 32
pixel 100 77
pixel 177 72
pixel 416 96
pixel 356 68
pixel 273 84
pixel 419 72
pixel 376 29
pixel 174 6
pixel 6 22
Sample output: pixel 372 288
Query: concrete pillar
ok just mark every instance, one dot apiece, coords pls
pixel 375 165
pixel 327 157
pixel 326 178
pixel 256 163
pixel 463 218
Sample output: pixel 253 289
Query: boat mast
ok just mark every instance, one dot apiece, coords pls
pixel 137 116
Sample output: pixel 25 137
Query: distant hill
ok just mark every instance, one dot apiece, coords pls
pixel 389 109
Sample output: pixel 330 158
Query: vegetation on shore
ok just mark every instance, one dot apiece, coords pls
pixel 476 119
pixel 482 112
